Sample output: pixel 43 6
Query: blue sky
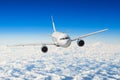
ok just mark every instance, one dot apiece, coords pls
pixel 29 20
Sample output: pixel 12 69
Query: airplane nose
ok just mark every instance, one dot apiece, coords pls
pixel 68 43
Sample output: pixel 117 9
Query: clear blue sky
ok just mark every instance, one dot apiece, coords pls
pixel 30 19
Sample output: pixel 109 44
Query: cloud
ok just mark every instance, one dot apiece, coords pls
pixel 93 61
pixel 96 51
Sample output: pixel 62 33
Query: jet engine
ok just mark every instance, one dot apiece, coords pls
pixel 80 43
pixel 44 49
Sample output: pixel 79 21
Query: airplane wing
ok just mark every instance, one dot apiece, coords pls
pixel 36 44
pixel 89 34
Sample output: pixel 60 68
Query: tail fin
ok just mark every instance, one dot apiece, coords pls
pixel 53 24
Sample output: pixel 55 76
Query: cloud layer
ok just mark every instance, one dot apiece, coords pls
pixel 96 61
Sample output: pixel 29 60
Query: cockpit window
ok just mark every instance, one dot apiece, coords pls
pixel 67 38
pixel 64 38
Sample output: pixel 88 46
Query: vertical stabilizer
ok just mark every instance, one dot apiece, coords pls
pixel 53 24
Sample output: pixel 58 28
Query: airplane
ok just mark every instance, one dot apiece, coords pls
pixel 60 39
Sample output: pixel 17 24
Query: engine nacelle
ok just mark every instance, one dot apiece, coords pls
pixel 80 43
pixel 44 49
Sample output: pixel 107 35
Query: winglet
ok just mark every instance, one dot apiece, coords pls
pixel 53 24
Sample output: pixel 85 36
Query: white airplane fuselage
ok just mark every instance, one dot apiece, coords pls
pixel 61 39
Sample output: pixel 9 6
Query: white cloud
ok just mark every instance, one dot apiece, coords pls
pixel 91 61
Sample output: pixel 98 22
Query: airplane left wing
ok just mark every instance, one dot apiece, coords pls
pixel 89 34
pixel 36 44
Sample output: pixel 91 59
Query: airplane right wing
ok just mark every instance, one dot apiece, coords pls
pixel 89 34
